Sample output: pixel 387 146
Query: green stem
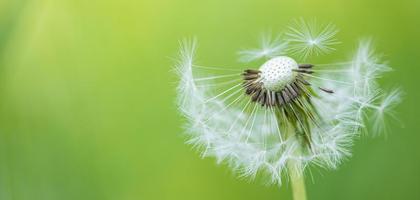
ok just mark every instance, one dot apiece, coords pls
pixel 297 181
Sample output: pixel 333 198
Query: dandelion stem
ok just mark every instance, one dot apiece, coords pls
pixel 297 181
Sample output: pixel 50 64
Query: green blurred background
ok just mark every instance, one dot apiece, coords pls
pixel 87 97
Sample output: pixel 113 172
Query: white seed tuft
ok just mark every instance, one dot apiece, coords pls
pixel 269 47
pixel 308 38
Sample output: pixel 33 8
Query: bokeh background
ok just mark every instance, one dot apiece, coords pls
pixel 87 95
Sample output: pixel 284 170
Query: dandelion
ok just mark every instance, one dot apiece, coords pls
pixel 280 117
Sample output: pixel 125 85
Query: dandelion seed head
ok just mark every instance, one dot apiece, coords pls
pixel 260 119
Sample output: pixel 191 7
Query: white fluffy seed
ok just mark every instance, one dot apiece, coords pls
pixel 278 72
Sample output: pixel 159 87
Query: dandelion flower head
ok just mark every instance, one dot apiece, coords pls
pixel 260 119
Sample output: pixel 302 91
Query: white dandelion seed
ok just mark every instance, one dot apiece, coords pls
pixel 269 47
pixel 308 38
pixel 278 118
pixel 385 107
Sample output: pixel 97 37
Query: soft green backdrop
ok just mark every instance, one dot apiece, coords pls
pixel 87 97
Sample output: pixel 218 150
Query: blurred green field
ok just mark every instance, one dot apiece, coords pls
pixel 87 97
